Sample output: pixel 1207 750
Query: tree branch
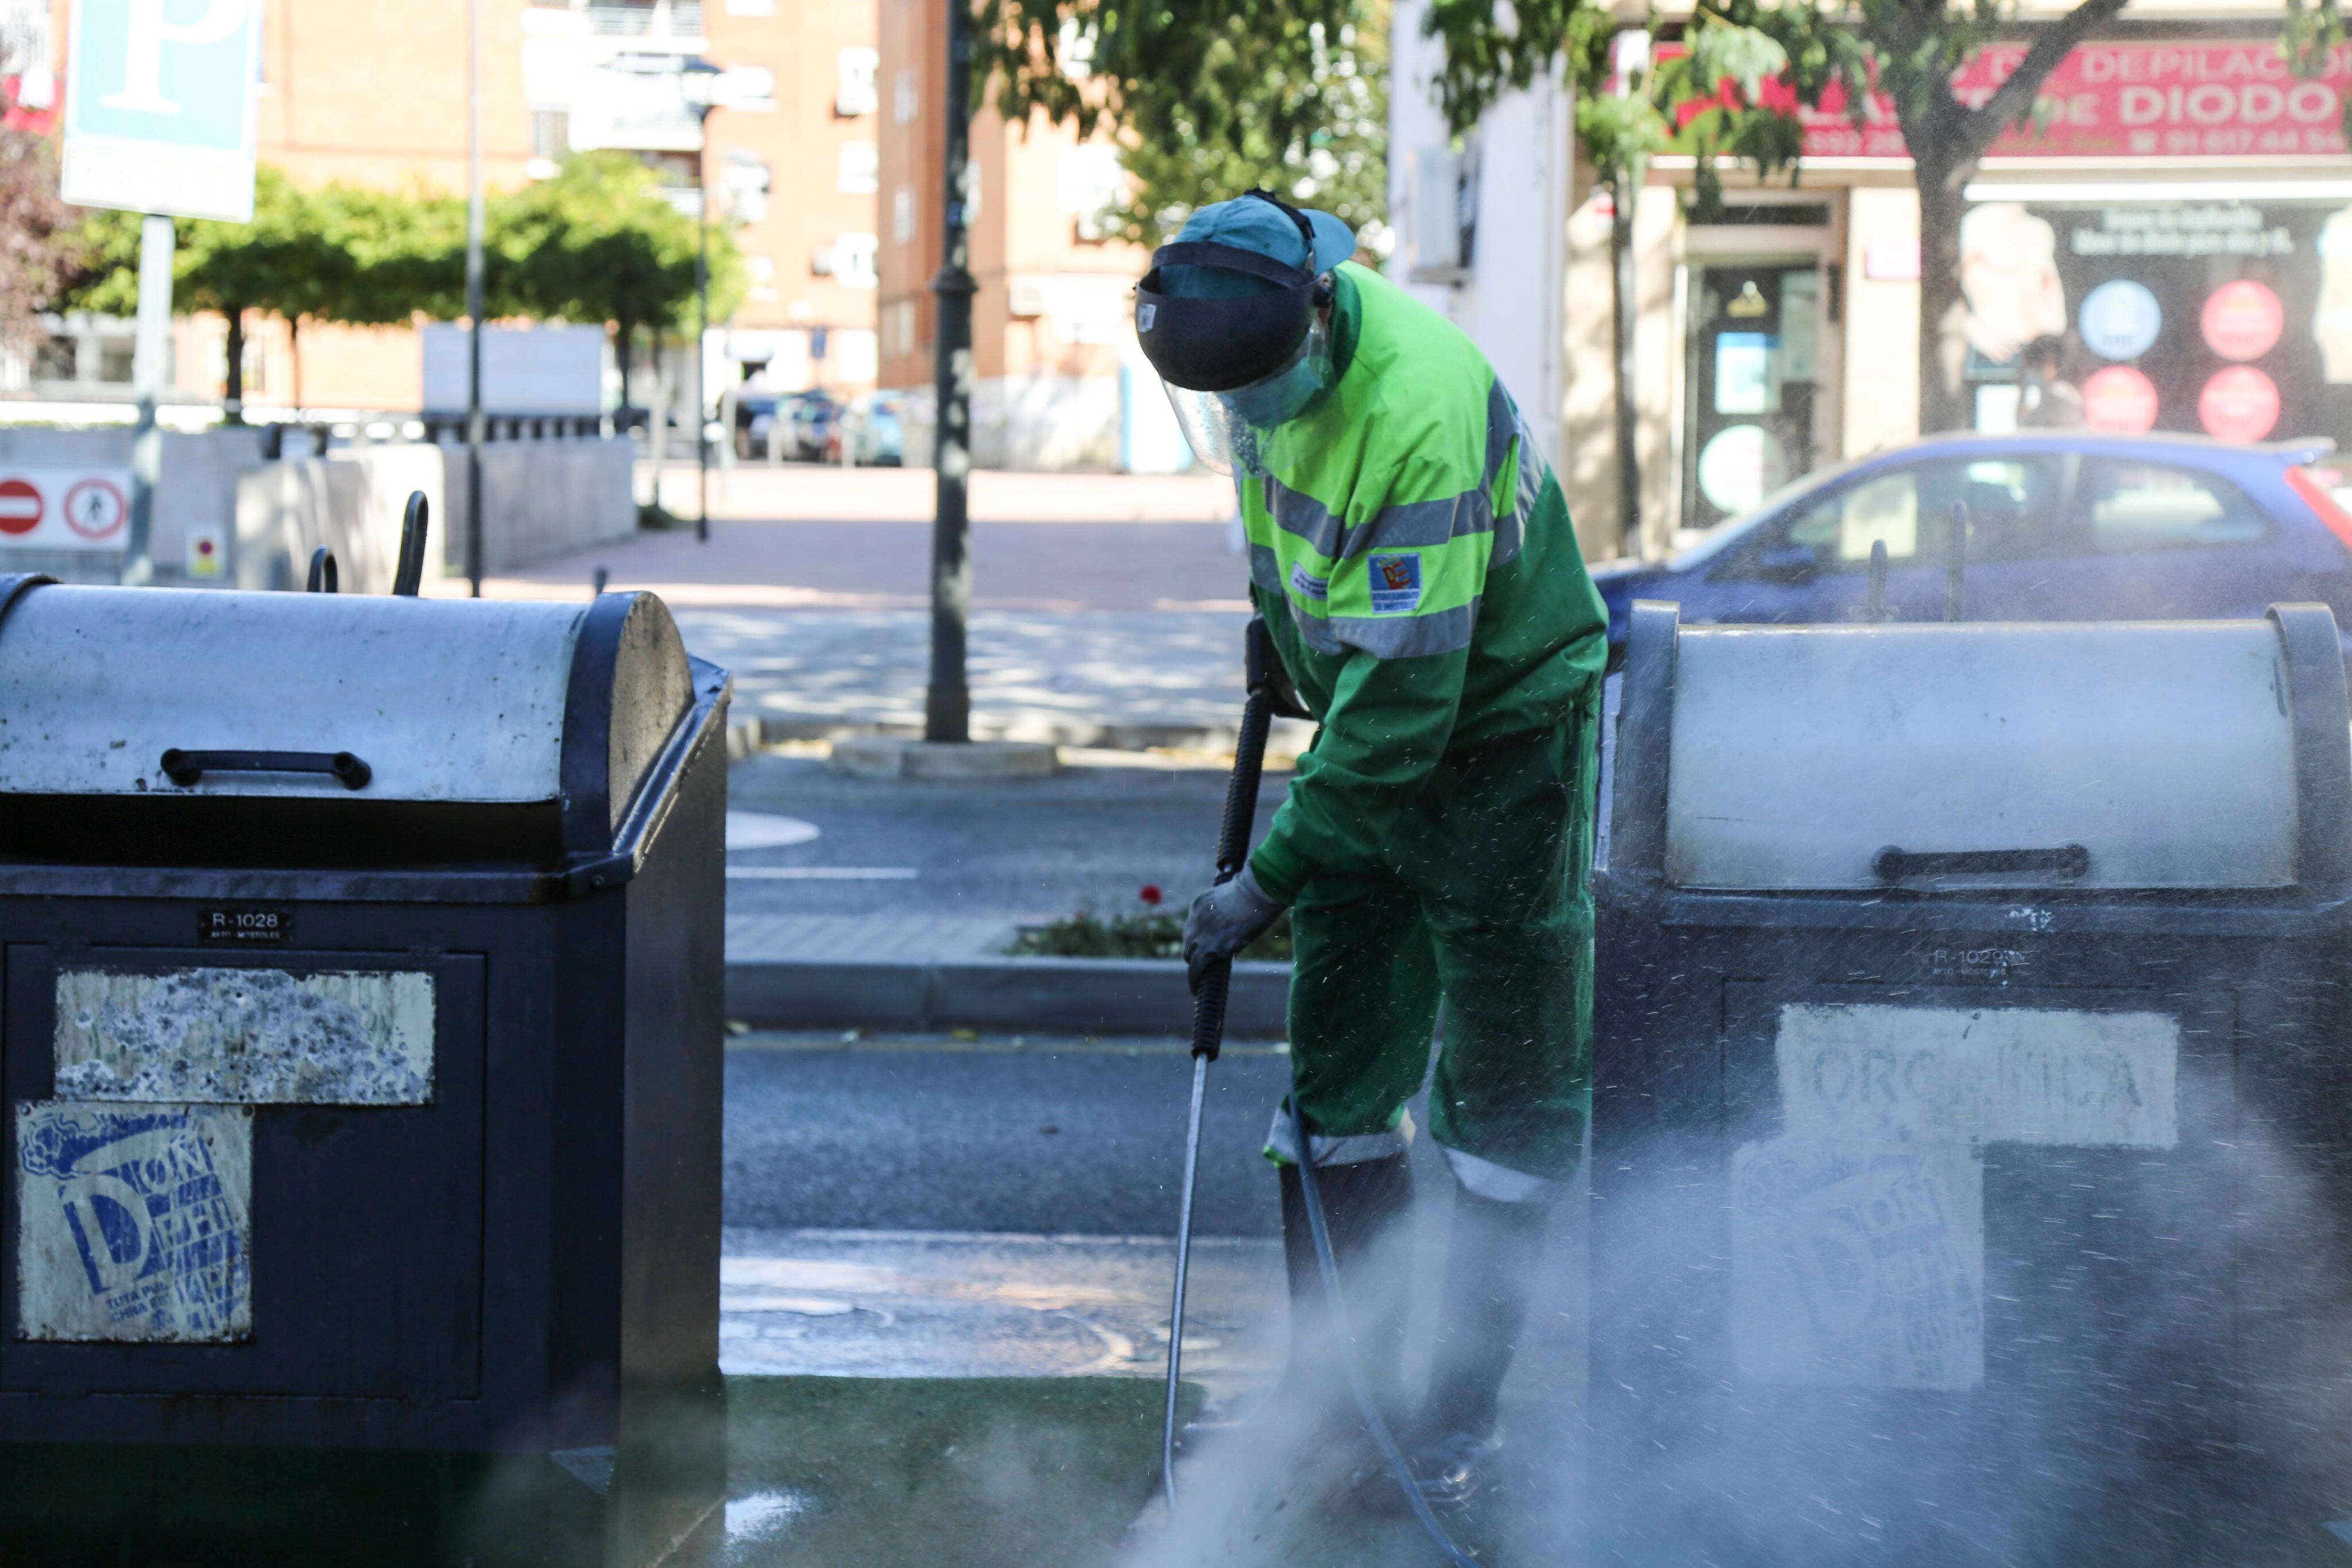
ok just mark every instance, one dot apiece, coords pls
pixel 2013 97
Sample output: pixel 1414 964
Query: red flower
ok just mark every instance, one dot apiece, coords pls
pixel 1151 894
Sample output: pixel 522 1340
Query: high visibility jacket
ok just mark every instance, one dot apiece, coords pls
pixel 1412 554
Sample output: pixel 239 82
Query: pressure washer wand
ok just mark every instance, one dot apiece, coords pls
pixel 1209 1001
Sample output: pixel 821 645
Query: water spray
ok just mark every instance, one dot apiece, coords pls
pixel 1207 1036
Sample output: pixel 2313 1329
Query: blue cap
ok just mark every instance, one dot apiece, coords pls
pixel 1250 223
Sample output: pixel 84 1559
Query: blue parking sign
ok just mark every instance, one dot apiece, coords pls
pixel 159 111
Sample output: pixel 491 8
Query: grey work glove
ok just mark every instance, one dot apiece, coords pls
pixel 1224 920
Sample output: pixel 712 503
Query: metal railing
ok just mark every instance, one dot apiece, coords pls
pixel 662 19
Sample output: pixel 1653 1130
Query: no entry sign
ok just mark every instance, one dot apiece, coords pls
pixel 20 506
pixel 63 508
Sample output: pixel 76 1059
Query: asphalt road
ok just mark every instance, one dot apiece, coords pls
pixel 1035 848
pixel 984 1136
pixel 1047 1138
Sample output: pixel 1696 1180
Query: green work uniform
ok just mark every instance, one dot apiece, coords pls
pixel 1412 555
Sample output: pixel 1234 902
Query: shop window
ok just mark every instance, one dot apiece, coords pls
pixel 114 360
pixel 2130 508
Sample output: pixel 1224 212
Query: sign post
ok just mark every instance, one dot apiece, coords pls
pixel 159 120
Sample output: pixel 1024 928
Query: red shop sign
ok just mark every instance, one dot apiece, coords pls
pixel 2129 100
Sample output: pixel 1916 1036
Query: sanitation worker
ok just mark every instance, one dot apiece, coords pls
pixel 1410 551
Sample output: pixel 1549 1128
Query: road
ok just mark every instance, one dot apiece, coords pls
pixel 1095 835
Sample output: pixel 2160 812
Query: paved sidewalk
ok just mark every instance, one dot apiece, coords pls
pixel 1106 610
pixel 884 1304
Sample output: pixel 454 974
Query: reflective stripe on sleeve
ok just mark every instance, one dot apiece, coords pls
pixel 1407 636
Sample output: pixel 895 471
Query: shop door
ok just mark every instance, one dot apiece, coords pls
pixel 1754 370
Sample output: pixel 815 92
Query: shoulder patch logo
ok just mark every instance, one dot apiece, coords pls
pixel 1396 584
pixel 1307 585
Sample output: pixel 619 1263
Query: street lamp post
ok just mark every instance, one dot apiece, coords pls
pixel 947 708
pixel 698 80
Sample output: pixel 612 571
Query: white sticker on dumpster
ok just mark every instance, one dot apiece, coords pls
pixel 1857 1236
pixel 2026 1075
pixel 135 1223
pixel 245 1036
pixel 1857 1266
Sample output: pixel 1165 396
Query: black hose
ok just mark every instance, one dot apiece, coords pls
pixel 1312 1191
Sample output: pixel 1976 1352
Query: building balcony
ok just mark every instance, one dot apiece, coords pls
pixel 659 24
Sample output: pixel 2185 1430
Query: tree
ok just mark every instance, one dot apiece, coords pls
pixel 1716 93
pixel 36 246
pixel 1206 99
pixel 1909 49
pixel 294 259
pixel 600 242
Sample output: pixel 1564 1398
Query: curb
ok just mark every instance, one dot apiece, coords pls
pixel 1058 995
pixel 768 729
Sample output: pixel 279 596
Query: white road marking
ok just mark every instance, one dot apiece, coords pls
pixel 766 830
pixel 822 874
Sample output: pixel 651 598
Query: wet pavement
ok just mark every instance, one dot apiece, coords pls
pixel 912 1305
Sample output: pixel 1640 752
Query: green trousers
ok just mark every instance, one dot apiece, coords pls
pixel 1481 902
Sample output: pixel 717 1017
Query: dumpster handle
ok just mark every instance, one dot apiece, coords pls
pixel 2070 862
pixel 323 576
pixel 187 766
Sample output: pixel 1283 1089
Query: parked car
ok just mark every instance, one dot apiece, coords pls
pixel 813 417
pixel 754 412
pixel 2062 526
pixel 873 430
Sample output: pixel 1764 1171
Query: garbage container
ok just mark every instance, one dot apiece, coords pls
pixel 1972 1093
pixel 358 1026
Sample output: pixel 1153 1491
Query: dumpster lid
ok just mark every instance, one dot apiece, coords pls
pixel 156 692
pixel 2165 754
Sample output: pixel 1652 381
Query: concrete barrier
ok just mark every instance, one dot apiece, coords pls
pixel 195 499
pixel 228 516
pixel 544 498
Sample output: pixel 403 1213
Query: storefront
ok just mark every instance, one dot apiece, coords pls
pixel 2169 248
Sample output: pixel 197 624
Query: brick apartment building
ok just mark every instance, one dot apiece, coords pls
pixel 1059 382
pixel 376 95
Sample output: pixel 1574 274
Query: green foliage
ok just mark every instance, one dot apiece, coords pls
pixel 1207 100
pixel 1151 934
pixel 597 243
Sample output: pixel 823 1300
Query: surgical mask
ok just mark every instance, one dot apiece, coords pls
pixel 1228 430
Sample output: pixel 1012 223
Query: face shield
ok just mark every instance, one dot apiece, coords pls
pixel 1228 430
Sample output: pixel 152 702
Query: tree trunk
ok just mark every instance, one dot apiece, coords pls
pixel 1625 291
pixel 623 344
pixel 294 352
pixel 1944 401
pixel 233 381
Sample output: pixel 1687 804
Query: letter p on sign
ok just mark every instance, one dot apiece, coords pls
pixel 160 105
pixel 152 30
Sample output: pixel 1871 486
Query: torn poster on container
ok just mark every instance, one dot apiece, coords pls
pixel 246 1035
pixel 135 1223
pixel 1857 1235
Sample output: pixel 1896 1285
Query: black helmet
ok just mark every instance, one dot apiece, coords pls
pixel 1217 344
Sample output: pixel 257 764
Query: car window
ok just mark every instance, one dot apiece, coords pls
pixel 2012 504
pixel 2129 507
